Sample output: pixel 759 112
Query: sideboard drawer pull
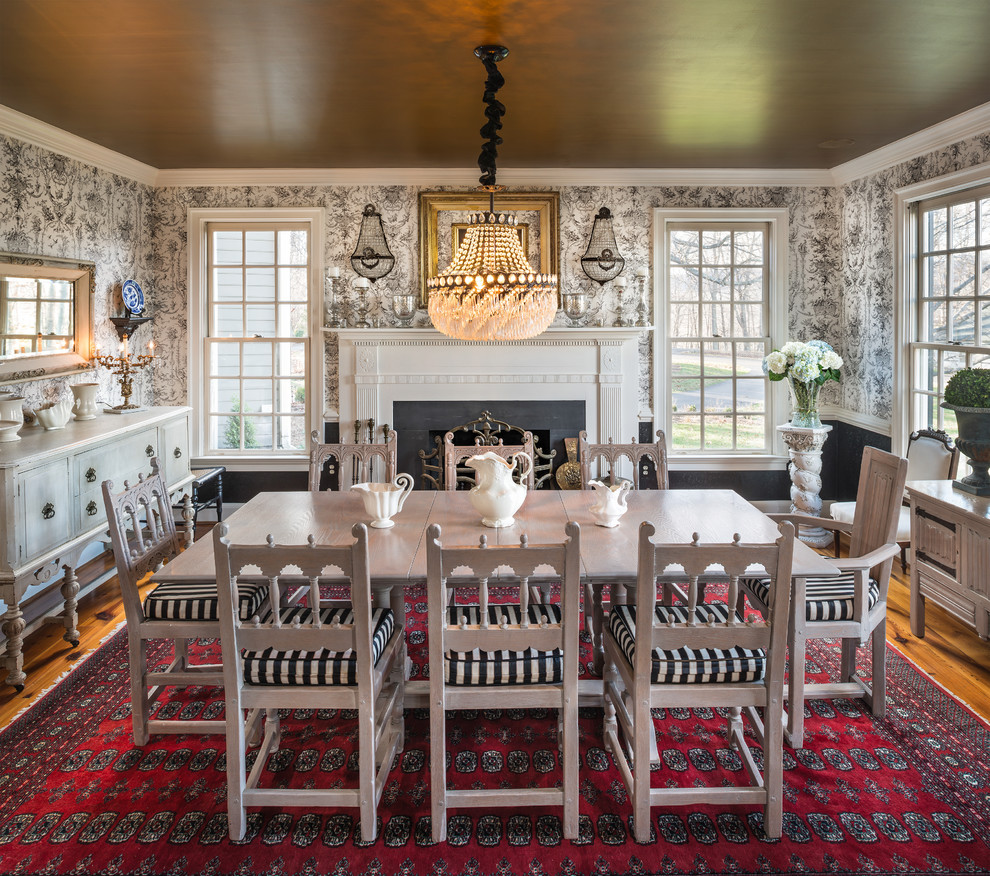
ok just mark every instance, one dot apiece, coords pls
pixel 92 508
pixel 90 475
pixel 177 453
pixel 48 512
pixel 149 451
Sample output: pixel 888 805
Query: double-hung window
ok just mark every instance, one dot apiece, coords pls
pixel 256 344
pixel 951 320
pixel 718 315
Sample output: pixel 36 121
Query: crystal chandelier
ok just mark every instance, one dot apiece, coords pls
pixel 490 292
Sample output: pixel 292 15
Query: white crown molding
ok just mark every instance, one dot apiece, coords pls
pixel 37 133
pixel 960 127
pixel 468 177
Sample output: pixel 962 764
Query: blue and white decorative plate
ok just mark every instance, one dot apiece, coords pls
pixel 133 297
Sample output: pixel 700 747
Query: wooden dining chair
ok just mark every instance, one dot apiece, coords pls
pixel 307 656
pixel 699 653
pixel 456 476
pixel 143 536
pixel 852 605
pixel 931 456
pixel 519 655
pixel 607 460
pixel 349 464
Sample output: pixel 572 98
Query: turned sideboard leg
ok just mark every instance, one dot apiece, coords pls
pixel 13 628
pixel 70 614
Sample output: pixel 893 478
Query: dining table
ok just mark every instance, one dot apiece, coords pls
pixel 398 554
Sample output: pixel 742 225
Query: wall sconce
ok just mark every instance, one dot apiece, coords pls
pixel 601 260
pixel 372 258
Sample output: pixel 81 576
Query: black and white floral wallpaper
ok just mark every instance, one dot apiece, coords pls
pixel 840 252
pixel 55 206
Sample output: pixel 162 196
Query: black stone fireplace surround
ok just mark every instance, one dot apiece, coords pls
pixel 417 421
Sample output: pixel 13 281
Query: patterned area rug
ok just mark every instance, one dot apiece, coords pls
pixel 909 793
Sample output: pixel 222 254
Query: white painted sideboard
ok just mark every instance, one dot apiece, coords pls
pixel 52 507
pixel 950 544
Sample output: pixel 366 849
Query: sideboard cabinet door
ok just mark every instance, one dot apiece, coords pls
pixel 46 508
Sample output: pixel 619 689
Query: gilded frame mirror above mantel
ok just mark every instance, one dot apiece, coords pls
pixel 46 307
pixel 440 214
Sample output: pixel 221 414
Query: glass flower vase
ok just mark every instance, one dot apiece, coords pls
pixel 804 413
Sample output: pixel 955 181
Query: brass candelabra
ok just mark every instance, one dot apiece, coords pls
pixel 124 367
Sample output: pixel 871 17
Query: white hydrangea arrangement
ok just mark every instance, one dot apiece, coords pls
pixel 813 362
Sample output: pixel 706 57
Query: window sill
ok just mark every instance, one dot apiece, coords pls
pixel 698 462
pixel 253 463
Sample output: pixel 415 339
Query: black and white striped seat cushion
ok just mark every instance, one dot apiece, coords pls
pixel 828 599
pixel 198 602
pixel 316 667
pixel 504 667
pixel 687 665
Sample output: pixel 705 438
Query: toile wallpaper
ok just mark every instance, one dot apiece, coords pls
pixel 55 206
pixel 840 254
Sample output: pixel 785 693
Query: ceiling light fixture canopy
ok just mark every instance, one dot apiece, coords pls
pixel 490 292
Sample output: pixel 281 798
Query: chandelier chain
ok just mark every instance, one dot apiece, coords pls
pixel 494 110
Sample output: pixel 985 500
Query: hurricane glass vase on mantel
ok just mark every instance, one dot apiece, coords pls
pixel 804 414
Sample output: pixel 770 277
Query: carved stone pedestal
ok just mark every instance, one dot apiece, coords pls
pixel 805 448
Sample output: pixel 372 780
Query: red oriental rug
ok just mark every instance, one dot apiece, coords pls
pixel 909 793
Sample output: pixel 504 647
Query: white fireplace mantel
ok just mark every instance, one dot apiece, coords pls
pixel 378 367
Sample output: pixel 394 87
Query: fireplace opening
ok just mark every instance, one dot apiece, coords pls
pixel 420 423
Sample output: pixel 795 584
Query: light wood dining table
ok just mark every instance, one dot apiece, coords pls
pixel 398 554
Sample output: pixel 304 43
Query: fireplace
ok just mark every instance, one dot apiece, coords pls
pixel 419 381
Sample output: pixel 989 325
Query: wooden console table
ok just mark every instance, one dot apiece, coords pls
pixel 52 507
pixel 950 541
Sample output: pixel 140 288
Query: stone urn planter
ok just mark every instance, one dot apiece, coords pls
pixel 967 394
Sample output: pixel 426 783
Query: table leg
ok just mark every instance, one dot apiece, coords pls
pixel 70 616
pixel 13 627
pixel 597 622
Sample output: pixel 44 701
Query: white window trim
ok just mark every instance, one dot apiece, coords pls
pixel 905 284
pixel 198 219
pixel 777 219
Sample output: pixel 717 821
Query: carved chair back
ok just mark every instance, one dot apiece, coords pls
pixel 601 460
pixel 454 455
pixel 352 463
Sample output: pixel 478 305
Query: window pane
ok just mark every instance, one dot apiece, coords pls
pixel 985 324
pixel 718 433
pixel 935 321
pixel 751 396
pixel 290 359
pixel 293 284
pixel 257 358
pixel 749 247
pixel 718 395
pixel 260 284
pixel 985 222
pixel 935 224
pixel 291 396
pixel 56 318
pixel 225 359
pixel 749 284
pixel 962 273
pixel 683 284
pixel 933 277
pixel 225 432
pixel 291 433
pixel 225 395
pixel 258 397
pixel 293 321
pixel 716 247
pixel 686 433
pixel 228 284
pixel 716 284
pixel 259 247
pixel 962 219
pixel 228 321
pixel 227 248
pixel 749 358
pixel 963 315
pixel 293 247
pixel 715 320
pixel 258 433
pixel 684 247
pixel 748 321
pixel 259 321
pixel 684 321
pixel 750 433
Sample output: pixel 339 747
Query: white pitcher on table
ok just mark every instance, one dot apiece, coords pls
pixel 496 496
pixel 610 502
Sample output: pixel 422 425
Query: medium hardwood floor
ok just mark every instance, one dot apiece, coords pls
pixel 950 653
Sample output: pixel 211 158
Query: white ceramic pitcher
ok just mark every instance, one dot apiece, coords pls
pixel 610 502
pixel 384 501
pixel 54 415
pixel 84 405
pixel 495 495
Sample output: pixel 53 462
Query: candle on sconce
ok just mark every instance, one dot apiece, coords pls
pixel 333 272
pixel 621 282
pixel 642 273
pixel 151 348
